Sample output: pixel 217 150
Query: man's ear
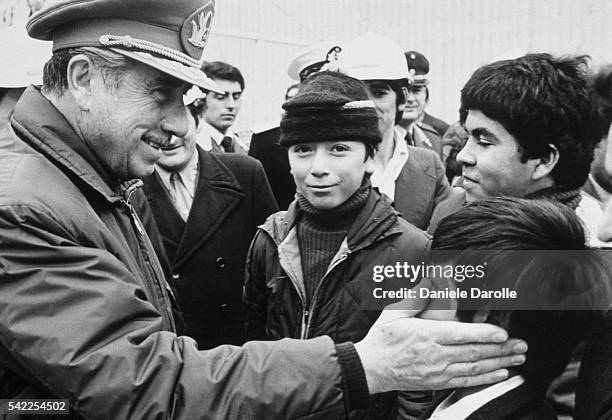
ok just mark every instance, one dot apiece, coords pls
pixel 80 72
pixel 546 164
pixel 369 164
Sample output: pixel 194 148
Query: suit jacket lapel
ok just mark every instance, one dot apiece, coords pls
pixel 217 194
pixel 170 223
pixel 414 189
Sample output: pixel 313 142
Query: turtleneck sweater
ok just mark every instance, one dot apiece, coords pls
pixel 321 232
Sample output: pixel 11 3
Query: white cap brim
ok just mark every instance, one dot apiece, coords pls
pixel 188 74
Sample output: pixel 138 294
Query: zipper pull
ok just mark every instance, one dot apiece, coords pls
pixel 133 218
pixel 129 188
pixel 304 331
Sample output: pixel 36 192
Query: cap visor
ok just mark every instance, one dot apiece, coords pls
pixel 173 68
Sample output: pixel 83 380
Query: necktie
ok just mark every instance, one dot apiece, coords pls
pixel 409 138
pixel 182 198
pixel 227 144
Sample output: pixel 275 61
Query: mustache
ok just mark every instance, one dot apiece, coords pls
pixel 158 140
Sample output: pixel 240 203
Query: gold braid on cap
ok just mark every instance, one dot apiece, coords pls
pixel 140 44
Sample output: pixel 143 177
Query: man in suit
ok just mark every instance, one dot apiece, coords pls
pixel 217 112
pixel 207 207
pixel 265 141
pixel 413 177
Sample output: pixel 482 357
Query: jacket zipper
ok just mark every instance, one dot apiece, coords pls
pixel 137 226
pixel 307 314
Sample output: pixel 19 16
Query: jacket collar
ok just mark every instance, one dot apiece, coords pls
pixel 39 124
pixel 376 221
pixel 217 194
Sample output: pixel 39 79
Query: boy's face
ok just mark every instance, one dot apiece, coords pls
pixel 327 173
pixel 491 161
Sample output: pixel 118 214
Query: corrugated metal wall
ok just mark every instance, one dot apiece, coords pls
pixel 260 36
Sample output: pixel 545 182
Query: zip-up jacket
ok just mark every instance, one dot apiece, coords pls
pixel 85 312
pixel 274 292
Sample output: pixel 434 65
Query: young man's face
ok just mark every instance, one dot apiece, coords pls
pixel 221 109
pixel 178 153
pixel 491 161
pixel 327 173
pixel 385 101
pixel 127 126
pixel 416 99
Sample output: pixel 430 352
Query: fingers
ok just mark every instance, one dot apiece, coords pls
pixel 465 369
pixel 478 380
pixel 479 352
pixel 461 333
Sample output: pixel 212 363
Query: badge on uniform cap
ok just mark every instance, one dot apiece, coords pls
pixel 196 29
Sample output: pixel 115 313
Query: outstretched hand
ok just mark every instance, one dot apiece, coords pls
pixel 401 352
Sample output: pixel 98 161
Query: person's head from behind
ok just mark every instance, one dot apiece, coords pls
pixel 331 132
pixel 379 62
pixel 221 109
pixel 123 94
pixel 601 169
pixel 531 126
pixel 503 231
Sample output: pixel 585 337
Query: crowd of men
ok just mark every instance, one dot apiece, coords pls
pixel 155 264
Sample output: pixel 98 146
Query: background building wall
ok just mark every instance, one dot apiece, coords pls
pixel 457 36
pixel 261 36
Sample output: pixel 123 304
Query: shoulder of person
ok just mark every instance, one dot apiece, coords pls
pixel 266 126
pixel 428 129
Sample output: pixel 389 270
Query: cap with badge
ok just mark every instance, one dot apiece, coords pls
pixel 418 66
pixel 313 58
pixel 169 36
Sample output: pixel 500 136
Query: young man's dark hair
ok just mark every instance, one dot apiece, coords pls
pixel 602 91
pixel 540 100
pixel 218 70
pixel 500 226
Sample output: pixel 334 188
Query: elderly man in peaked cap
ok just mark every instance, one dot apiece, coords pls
pixel 85 312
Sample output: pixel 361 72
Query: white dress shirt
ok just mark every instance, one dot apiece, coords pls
pixel 206 134
pixel 182 201
pixel 385 179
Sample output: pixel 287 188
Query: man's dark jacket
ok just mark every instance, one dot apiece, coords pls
pixel 85 313
pixel 273 157
pixel 207 253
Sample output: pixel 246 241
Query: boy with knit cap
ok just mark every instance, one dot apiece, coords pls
pixel 303 269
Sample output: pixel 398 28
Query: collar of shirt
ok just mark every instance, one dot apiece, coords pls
pixel 206 134
pixel 385 180
pixel 453 409
pixel 189 175
pixel 601 192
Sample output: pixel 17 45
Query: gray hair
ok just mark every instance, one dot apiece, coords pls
pixel 111 64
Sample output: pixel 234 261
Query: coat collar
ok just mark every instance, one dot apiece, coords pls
pixel 376 221
pixel 43 127
pixel 217 194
